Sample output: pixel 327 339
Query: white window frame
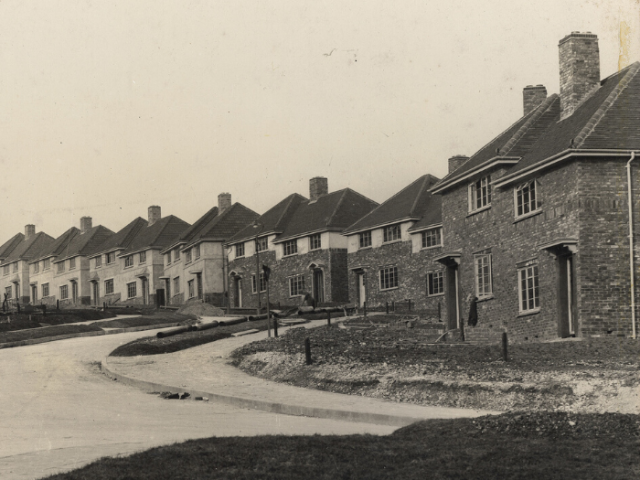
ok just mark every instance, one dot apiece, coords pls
pixel 168 258
pixel 64 292
pixel 45 289
pixel 388 278
pixel 263 283
pixel 196 251
pixel 72 263
pixel 428 236
pixel 435 283
pixel 528 289
pixel 111 258
pixel 132 288
pixel 315 242
pixel 142 258
pixel 483 273
pixel 98 261
pixel 391 233
pixel 60 267
pixel 191 289
pixel 176 255
pixel 527 198
pixel 36 267
pixel 46 264
pixel 296 285
pixel 239 250
pixel 290 247
pixel 263 244
pixel 109 283
pixel 364 239
pixel 187 256
pixel 128 261
pixel 481 187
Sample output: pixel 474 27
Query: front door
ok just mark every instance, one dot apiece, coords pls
pixel 452 297
pixel 567 321
pixel 34 293
pixel 199 285
pixel 145 290
pixel 237 292
pixel 362 290
pixel 318 286
pixel 96 293
pixel 74 292
pixel 160 297
pixel 168 290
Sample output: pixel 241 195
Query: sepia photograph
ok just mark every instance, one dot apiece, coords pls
pixel 319 240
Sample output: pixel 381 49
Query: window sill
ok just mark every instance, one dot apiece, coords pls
pixel 483 209
pixel 484 299
pixel 431 247
pixel 290 255
pixel 388 289
pixel 365 248
pixel 528 313
pixel 528 215
pixel 392 241
pixel 435 295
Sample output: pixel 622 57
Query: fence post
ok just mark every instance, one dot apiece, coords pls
pixel 307 350
pixel 505 345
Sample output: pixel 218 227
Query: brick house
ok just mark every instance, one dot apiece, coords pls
pixel 391 249
pixel 300 240
pixel 61 272
pixel 537 222
pixel 194 263
pixel 128 266
pixel 18 252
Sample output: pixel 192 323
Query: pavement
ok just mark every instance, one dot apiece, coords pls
pixel 204 372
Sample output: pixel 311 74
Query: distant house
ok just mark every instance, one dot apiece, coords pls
pixel 128 267
pixel 61 272
pixel 391 250
pixel 300 241
pixel 537 223
pixel 16 255
pixel 194 263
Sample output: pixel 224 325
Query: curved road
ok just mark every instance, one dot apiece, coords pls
pixel 58 412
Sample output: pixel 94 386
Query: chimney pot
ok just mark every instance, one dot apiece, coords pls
pixel 318 186
pixel 155 214
pixel 29 231
pixel 224 202
pixel 85 224
pixel 533 96
pixel 456 162
pixel 579 69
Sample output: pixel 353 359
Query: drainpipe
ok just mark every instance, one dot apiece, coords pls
pixel 631 262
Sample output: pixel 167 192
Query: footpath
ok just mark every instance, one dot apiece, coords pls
pixel 204 372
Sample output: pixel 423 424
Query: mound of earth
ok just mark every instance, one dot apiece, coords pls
pixel 201 310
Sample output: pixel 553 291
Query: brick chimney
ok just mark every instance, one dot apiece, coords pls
pixel 155 214
pixel 318 186
pixel 579 69
pixel 532 96
pixel 29 231
pixel 456 162
pixel 224 202
pixel 85 224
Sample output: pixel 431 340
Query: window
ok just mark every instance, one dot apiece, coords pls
pixel 128 261
pixel 529 290
pixel 263 283
pixel 432 238
pixel 365 239
pixel 240 250
pixel 296 285
pixel 143 257
pixel 391 233
pixel 111 257
pixel 196 251
pixel 290 247
pixel 176 255
pixel 47 264
pixel 187 255
pixel 64 292
pixel 315 242
pixel 45 289
pixel 131 290
pixel 98 261
pixel 72 263
pixel 191 289
pixel 263 244
pixel 176 285
pixel 36 267
pixel 388 278
pixel 5 270
pixel 435 283
pixel 526 199
pixel 7 292
pixel 60 267
pixel 480 194
pixel 168 257
pixel 483 275
pixel 108 287
pixel 15 267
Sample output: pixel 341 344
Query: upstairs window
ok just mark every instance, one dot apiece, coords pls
pixel 196 251
pixel 388 278
pixel 128 261
pixel 46 264
pixel 72 263
pixel 5 270
pixel 290 247
pixel 98 261
pixel 240 250
pixel 315 242
pixel 526 199
pixel 480 194
pixel 111 257
pixel 168 257
pixel 391 233
pixel 484 286
pixel 36 267
pixel 263 244
pixel 143 257
pixel 176 255
pixel 365 239
pixel 15 267
pixel 432 238
pixel 60 267
pixel 187 256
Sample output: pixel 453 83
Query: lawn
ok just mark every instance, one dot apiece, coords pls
pixel 23 321
pixel 155 318
pixel 512 446
pixel 54 331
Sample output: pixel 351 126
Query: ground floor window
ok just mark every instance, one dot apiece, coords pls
pixel 7 292
pixel 263 284
pixel 108 287
pixel 296 285
pixel 435 283
pixel 388 278
pixel 64 292
pixel 529 289
pixel 484 287
pixel 176 285
pixel 191 289
pixel 132 289
pixel 45 289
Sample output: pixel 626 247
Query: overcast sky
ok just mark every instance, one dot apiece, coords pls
pixel 109 106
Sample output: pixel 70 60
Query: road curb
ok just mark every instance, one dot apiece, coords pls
pixel 264 405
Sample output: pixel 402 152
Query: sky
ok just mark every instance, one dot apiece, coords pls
pixel 109 106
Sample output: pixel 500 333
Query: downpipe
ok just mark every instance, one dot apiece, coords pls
pixel 631 241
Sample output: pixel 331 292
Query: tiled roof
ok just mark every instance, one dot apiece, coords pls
pixel 159 235
pixel 123 238
pixel 413 202
pixel 7 247
pixel 29 248
pixel 58 245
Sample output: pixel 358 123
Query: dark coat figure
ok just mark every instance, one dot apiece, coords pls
pixel 473 312
pixel 309 300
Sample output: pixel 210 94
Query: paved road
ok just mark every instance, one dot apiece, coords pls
pixel 58 412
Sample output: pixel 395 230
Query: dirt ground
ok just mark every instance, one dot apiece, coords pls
pixel 590 376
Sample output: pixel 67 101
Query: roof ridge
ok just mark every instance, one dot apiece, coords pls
pixel 590 126
pixel 537 113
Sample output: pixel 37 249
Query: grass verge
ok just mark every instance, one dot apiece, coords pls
pixel 156 318
pixel 55 331
pixel 24 321
pixel 513 446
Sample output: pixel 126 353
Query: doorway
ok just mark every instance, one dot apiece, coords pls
pixel 237 292
pixel 199 285
pixel 318 285
pixel 74 292
pixel 96 293
pixel 567 318
pixel 452 297
pixel 145 290
pixel 34 293
pixel 362 289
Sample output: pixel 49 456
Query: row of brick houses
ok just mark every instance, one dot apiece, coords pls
pixel 532 233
